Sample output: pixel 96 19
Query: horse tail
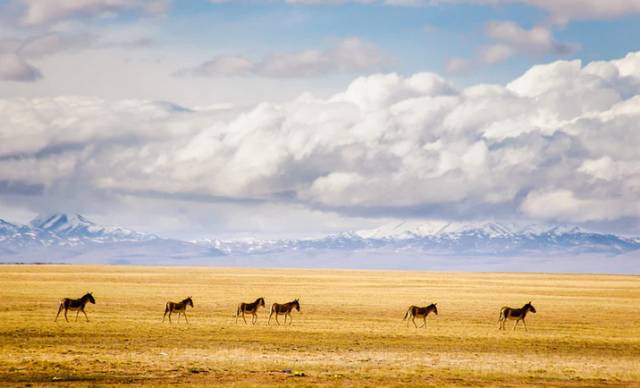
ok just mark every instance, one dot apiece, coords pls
pixel 501 314
pixel 166 308
pixel 406 314
pixel 238 311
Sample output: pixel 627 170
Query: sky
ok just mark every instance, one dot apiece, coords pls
pixel 288 118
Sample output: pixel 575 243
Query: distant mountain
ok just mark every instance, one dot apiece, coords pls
pixel 73 238
pixel 76 228
pixel 484 246
pixel 415 244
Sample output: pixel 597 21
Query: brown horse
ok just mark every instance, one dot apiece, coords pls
pixel 420 312
pixel 518 315
pixel 250 308
pixel 180 308
pixel 284 309
pixel 75 305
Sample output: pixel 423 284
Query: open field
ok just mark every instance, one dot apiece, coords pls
pixel 350 329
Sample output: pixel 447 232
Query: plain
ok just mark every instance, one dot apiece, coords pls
pixel 349 330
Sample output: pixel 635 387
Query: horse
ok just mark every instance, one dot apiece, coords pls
pixel 250 308
pixel 284 309
pixel 415 311
pixel 517 314
pixel 180 308
pixel 75 305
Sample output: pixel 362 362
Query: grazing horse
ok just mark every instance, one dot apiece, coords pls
pixel 76 305
pixel 250 308
pixel 180 308
pixel 514 314
pixel 415 311
pixel 284 309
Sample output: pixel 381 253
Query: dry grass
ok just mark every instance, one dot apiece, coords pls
pixel 350 330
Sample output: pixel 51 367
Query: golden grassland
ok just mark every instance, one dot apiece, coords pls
pixel 349 331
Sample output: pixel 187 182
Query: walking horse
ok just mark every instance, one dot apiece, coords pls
pixel 76 305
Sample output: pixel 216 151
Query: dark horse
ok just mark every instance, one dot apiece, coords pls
pixel 420 312
pixel 180 308
pixel 518 315
pixel 250 308
pixel 75 305
pixel 284 309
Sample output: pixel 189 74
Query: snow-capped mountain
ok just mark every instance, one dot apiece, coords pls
pixel 448 239
pixel 485 246
pixel 73 238
pixel 75 227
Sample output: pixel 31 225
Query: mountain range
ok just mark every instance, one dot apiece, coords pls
pixel 72 238
pixel 438 245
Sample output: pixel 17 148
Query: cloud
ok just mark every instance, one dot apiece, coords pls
pixel 349 55
pixel 559 142
pixel 566 10
pixel 36 12
pixel 561 12
pixel 458 65
pixel 512 39
pixel 14 68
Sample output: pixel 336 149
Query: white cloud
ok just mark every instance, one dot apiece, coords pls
pixel 37 12
pixel 512 39
pixel 560 142
pixel 349 55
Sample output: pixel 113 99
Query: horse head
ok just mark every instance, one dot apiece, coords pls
pixel 530 307
pixel 89 296
pixel 435 308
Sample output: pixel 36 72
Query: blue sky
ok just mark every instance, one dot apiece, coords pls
pixel 198 118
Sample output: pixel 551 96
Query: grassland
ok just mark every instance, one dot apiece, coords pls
pixel 349 332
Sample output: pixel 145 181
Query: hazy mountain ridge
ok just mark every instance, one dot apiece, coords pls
pixel 74 238
pixel 443 238
pixel 407 245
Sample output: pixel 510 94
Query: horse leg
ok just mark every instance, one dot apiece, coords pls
pixel 77 312
pixel 243 318
pixel 85 315
pixel 277 321
pixel 516 325
pixel 290 318
pixel 269 322
pixel 65 314
pixel 413 319
pixel 185 316
pixel 170 316
pixel 254 318
pixel 425 322
pixel 59 310
pixel 525 325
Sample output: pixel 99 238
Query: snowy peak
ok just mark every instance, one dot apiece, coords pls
pixel 62 223
pixel 418 229
pixel 75 227
pixel 442 238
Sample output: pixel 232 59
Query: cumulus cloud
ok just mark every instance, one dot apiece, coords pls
pixel 346 56
pixel 559 142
